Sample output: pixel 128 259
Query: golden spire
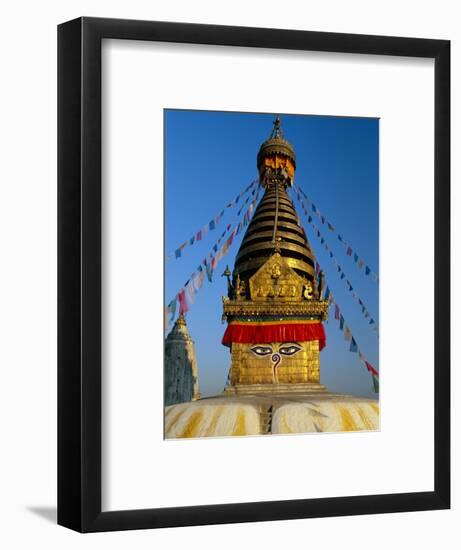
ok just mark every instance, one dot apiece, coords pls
pixel 275 224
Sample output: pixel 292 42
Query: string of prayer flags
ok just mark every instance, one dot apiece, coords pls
pixel 211 225
pixel 349 249
pixel 353 347
pixel 344 327
pixel 342 275
pixel 185 297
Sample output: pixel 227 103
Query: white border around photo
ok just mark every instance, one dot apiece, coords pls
pixel 140 469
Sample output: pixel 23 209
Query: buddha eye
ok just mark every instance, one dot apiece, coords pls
pixel 289 350
pixel 261 350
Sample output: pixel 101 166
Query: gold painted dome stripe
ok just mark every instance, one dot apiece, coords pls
pixel 284 234
pixel 286 225
pixel 268 245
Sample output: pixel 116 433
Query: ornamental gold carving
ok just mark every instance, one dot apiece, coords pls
pixel 276 280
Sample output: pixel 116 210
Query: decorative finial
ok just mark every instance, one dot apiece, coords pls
pixel 227 273
pixel 277 132
pixel 181 320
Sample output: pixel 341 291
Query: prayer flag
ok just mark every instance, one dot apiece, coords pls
pixel 192 240
pixel 212 224
pixel 172 309
pixel 209 272
pixel 190 292
pixel 367 270
pixel 371 369
pixel 336 311
pixel 353 346
pixel 327 293
pixel 375 384
pixel 349 251
pixel 347 333
pixel 196 282
pixel 341 322
pixel 177 253
pixel 183 307
pixel 199 235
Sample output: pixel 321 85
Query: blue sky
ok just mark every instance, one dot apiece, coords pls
pixel 210 157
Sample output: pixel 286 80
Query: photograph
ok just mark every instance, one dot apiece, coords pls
pixel 271 274
pixel 228 295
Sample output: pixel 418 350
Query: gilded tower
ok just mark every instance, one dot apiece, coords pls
pixel 274 308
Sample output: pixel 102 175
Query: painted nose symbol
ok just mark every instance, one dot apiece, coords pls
pixel 275 360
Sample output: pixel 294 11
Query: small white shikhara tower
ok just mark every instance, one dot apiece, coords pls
pixel 181 376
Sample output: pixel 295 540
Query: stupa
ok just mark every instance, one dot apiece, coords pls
pixel 181 377
pixel 274 311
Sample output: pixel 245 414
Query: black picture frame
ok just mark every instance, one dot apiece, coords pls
pixel 79 274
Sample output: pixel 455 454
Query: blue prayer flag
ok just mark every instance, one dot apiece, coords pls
pixel 341 322
pixel 172 308
pixel 209 271
pixel 353 345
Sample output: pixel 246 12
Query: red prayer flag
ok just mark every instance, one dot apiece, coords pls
pixel 183 307
pixel 371 369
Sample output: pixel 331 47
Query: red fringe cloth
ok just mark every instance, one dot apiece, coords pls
pixel 259 333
